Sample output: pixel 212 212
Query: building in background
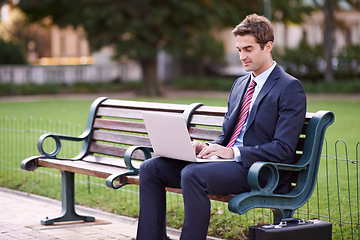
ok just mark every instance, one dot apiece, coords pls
pixel 60 55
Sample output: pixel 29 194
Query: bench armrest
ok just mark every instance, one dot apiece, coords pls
pixel 262 196
pixel 57 138
pixel 129 153
pixel 254 172
pixel 131 170
pixel 30 163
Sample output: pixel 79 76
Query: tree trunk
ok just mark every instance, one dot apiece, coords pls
pixel 150 83
pixel 329 30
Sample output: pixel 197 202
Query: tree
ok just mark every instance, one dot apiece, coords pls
pixel 328 7
pixel 3 2
pixel 290 12
pixel 138 29
pixel 11 53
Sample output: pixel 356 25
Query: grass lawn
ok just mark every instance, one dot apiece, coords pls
pixel 346 127
pixel 346 110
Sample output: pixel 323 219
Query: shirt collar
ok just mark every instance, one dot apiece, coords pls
pixel 261 79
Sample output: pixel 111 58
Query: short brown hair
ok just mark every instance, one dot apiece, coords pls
pixel 258 26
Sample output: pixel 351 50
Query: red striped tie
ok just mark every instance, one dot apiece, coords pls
pixel 243 113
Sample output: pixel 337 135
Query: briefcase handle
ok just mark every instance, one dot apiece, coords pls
pixel 291 221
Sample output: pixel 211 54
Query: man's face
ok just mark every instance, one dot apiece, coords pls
pixel 252 56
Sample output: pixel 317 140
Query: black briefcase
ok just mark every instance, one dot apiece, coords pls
pixel 292 229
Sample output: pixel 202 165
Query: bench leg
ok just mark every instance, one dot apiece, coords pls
pixel 281 214
pixel 68 212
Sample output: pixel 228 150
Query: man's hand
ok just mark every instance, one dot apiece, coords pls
pixel 212 150
pixel 198 146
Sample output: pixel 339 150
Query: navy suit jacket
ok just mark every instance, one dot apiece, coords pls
pixel 274 122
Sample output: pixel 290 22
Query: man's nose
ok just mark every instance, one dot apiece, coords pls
pixel 242 56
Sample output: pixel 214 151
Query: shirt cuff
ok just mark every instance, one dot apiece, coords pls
pixel 237 154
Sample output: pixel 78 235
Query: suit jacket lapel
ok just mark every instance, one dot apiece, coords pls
pixel 269 84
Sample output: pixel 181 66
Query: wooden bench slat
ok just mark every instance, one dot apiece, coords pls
pixel 207 120
pixel 123 113
pixel 119 113
pixel 121 138
pixel 222 198
pixel 211 110
pixel 115 151
pixel 297 157
pixel 82 167
pixel 119 125
pixel 103 171
pixel 214 110
pixel 145 105
pixel 204 133
pixel 300 145
pixel 119 162
pixel 309 115
pixel 112 161
pixel 304 128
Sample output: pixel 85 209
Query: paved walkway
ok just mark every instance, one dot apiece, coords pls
pixel 20 216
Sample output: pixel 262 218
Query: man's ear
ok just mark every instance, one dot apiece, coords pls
pixel 269 46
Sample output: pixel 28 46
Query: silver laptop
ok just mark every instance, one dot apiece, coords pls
pixel 170 138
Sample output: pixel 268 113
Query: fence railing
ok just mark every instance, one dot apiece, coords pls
pixel 63 74
pixel 335 198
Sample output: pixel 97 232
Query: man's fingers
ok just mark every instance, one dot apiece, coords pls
pixel 207 152
pixel 216 150
pixel 198 146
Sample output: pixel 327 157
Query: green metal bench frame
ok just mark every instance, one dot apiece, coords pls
pixel 306 169
pixel 282 205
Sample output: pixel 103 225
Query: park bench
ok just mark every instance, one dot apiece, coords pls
pixel 115 142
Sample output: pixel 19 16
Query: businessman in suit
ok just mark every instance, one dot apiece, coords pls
pixel 274 104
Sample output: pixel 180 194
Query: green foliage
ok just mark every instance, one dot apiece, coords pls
pixel 303 61
pixel 290 11
pixel 349 62
pixel 307 63
pixel 204 83
pixel 11 53
pixel 224 84
pixel 344 86
pixel 139 28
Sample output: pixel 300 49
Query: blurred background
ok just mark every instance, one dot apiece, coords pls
pixel 158 48
pixel 62 45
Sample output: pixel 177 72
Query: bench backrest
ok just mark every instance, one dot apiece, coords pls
pixel 116 125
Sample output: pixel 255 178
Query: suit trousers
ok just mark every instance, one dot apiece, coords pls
pixel 196 180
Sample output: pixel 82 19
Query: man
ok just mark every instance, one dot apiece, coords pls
pixel 266 111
